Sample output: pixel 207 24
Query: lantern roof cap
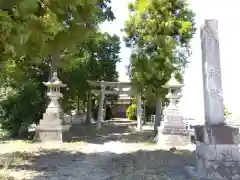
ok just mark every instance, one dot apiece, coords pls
pixel 173 82
pixel 54 82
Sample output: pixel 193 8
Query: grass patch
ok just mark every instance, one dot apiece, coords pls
pixel 11 159
pixel 5 175
pixel 7 161
pixel 3 133
pixel 150 143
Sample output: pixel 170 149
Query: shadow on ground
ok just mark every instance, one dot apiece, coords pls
pixel 139 165
pixel 123 131
pixel 113 130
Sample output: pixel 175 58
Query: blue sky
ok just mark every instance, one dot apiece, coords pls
pixel 226 12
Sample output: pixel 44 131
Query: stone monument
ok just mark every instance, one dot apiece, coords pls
pixel 173 130
pixel 218 155
pixel 52 126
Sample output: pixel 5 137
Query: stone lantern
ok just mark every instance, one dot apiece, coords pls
pixel 173 130
pixel 52 126
pixel 174 92
pixel 54 95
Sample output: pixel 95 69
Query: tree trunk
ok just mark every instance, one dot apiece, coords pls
pixel 54 63
pixel 48 59
pixel 158 113
pixel 144 113
pixel 84 106
pixel 89 108
pixel 139 112
pixel 78 105
pixel 53 60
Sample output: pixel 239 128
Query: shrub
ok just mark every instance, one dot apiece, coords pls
pixel 131 112
pixel 21 109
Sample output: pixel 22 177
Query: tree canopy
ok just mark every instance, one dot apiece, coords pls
pixel 38 28
pixel 95 60
pixel 158 32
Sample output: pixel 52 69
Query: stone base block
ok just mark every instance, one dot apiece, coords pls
pixel 173 140
pixel 44 133
pixel 173 137
pixel 221 161
pixel 51 123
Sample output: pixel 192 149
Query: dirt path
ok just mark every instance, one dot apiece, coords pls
pixel 110 160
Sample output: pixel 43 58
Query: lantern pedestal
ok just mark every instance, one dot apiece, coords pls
pixel 52 126
pixel 49 133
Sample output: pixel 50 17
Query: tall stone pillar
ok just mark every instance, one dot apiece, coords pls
pixel 218 154
pixel 100 108
pixel 211 70
pixel 139 112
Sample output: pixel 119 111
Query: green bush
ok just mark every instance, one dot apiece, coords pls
pixel 25 99
pixel 21 109
pixel 131 112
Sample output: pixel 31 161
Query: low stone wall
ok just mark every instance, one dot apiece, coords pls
pixel 75 119
pixel 78 119
pixel 218 152
pixel 218 161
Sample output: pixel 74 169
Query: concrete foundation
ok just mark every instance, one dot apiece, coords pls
pixel 46 134
pixel 218 153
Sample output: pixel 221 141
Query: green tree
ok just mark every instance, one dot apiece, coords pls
pixel 226 112
pixel 40 28
pixel 103 50
pixel 159 36
pixel 25 101
pixel 159 33
pixel 35 35
pixel 131 112
pixel 95 60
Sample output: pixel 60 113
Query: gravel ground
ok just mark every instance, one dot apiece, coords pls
pixel 109 161
pixel 112 160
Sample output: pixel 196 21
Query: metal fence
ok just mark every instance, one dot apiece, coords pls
pixel 151 118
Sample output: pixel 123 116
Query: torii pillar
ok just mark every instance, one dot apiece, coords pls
pixel 100 108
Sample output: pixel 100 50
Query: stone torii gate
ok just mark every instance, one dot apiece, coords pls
pixel 111 88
